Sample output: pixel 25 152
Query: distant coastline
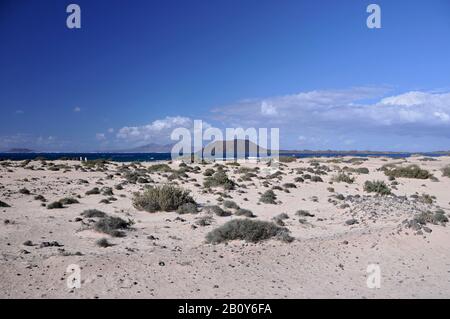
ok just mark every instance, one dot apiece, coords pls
pixel 154 156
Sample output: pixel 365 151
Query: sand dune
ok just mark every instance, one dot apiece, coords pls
pixel 338 227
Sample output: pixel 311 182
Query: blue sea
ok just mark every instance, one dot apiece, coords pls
pixel 149 157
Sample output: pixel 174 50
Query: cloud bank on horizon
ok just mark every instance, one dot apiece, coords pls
pixel 326 119
pixel 361 118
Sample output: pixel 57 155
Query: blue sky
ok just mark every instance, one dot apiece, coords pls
pixel 138 69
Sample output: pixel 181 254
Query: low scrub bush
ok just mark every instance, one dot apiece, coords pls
pixel 268 197
pixel 187 208
pixel 91 213
pixel 219 178
pixel 343 178
pixel 244 212
pixel 113 226
pixel 161 198
pixel 249 230
pixel 378 187
pixel 446 171
pixel 411 171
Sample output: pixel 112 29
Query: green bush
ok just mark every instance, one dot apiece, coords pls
pixel 411 171
pixel 209 172
pixel 378 187
pixel 103 242
pixel 219 178
pixel 90 213
pixel 94 191
pixel 436 218
pixel 344 178
pixel 248 230
pixel 287 159
pixel 230 204
pixel 187 208
pixel 214 209
pixel 55 205
pixel 113 226
pixel 68 201
pixel 446 171
pixel 161 198
pixel 159 168
pixel 268 197
pixel 244 212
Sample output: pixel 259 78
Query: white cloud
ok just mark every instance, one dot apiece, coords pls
pixel 157 131
pixel 20 112
pixel 77 109
pixel 111 130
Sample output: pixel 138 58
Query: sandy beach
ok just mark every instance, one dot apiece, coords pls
pixel 337 228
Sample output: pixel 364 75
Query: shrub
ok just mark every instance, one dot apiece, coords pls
pixel 40 198
pixel 103 242
pixel 209 172
pixel 3 204
pixel 107 191
pixel 378 187
pixel 94 191
pixel 24 191
pixel 279 219
pixel 248 230
pixel 299 180
pixel 214 209
pixel 268 197
pixel 68 201
pixel 316 179
pixel 435 218
pixel 204 221
pixel 230 204
pixel 287 159
pixel 112 226
pixel 244 212
pixel 219 178
pixel 304 213
pixel 289 185
pixel 446 171
pixel 161 198
pixel 187 208
pixel 411 171
pixel 342 177
pixel 55 205
pixel 159 168
pixel 90 213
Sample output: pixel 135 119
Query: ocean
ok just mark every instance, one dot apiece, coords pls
pixel 150 157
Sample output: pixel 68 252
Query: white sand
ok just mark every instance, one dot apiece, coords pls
pixel 319 263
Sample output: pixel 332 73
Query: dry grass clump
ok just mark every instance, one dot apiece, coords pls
pixel 161 198
pixel 159 168
pixel 378 187
pixel 249 230
pixel 24 191
pixel 411 171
